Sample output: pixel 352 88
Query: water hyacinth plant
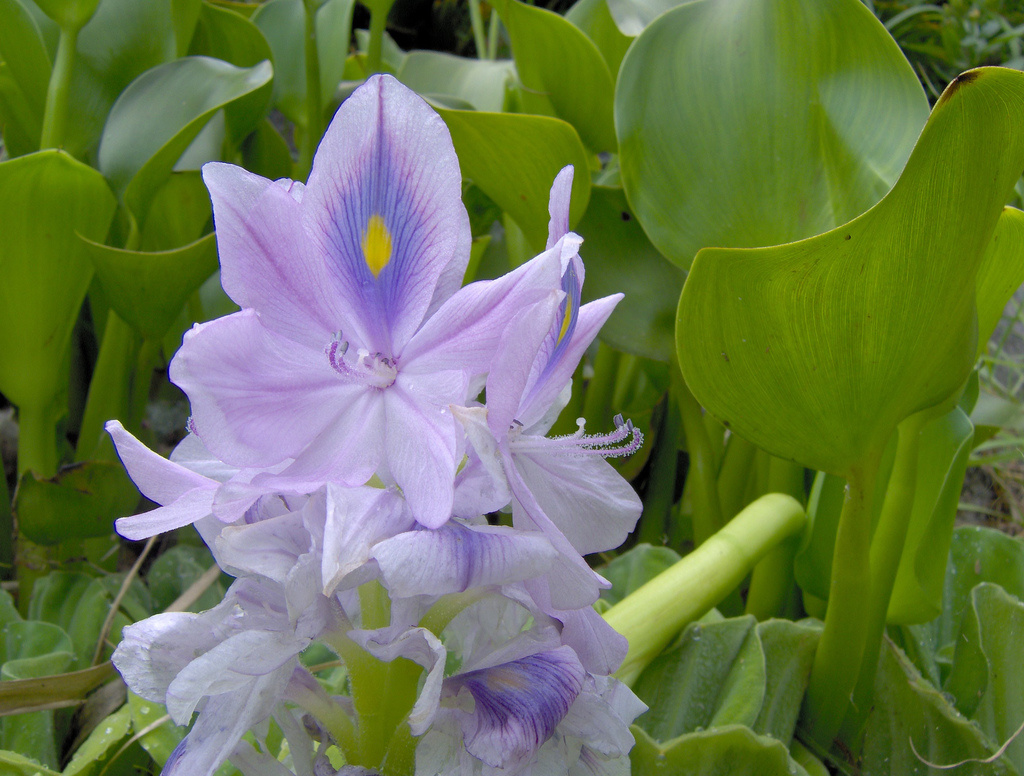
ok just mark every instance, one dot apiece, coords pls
pixel 357 355
pixel 582 395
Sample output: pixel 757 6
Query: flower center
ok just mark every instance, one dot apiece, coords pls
pixel 376 245
pixel 374 370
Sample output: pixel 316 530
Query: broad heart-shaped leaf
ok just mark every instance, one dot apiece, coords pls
pixel 148 290
pixel 713 675
pixel 481 83
pixel 226 34
pixel 595 21
pixel 942 462
pixel 733 750
pixel 816 350
pixel 620 258
pixel 161 113
pixel 283 24
pixel 987 676
pixel 23 52
pixel 514 158
pixel 1000 274
pixel 744 123
pixel 908 709
pixel 562 72
pixel 75 504
pixel 45 199
pixel 75 601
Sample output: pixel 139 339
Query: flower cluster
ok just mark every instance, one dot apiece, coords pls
pixel 340 465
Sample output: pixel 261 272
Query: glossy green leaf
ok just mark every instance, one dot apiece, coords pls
pixel 726 751
pixel 816 350
pixel 23 52
pixel 788 655
pixel 148 290
pixel 283 23
pixel 632 16
pixel 514 159
pixel 987 677
pixel 562 72
pixel 160 741
pixel 942 462
pixel 266 153
pixel 161 113
pixel 93 492
pixel 908 709
pixel 481 83
pixel 124 39
pixel 180 213
pixel 744 123
pixel 1000 274
pixel 15 764
pixel 22 126
pixel 69 14
pixel 175 570
pixel 104 737
pixel 226 34
pixel 595 21
pixel 713 675
pixel 45 199
pixel 632 569
pixel 977 555
pixel 185 17
pixel 620 258
pixel 76 602
pixel 17 695
pixel 29 650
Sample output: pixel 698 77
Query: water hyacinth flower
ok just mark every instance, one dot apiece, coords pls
pixel 354 337
pixel 340 466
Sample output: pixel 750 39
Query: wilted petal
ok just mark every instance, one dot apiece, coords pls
pixel 384 206
pixel 455 558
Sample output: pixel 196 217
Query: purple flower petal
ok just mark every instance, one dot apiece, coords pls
pixel 159 480
pixel 267 262
pixel 558 205
pixel 454 558
pixel 518 705
pixel 384 207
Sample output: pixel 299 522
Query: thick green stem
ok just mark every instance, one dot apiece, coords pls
pixel 476 21
pixel 375 47
pixel 651 616
pixel 58 93
pixel 493 33
pixel 314 128
pixel 886 551
pixel 110 390
pixel 840 651
pixel 37 439
pixel 733 475
pixel 707 513
pixel 661 483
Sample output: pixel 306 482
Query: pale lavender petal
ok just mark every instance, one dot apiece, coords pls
pixel 387 156
pixel 465 331
pixel 518 705
pixel 480 488
pixel 558 205
pixel 266 260
pixel 159 480
pixel 222 723
pixel 421 445
pixel 423 648
pixel 589 501
pixel 194 456
pixel 558 360
pixel 358 518
pixel 455 558
pixel 192 506
pixel 257 399
pixel 517 350
pixel 231 665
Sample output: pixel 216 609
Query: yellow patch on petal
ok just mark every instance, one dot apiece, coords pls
pixel 376 245
pixel 566 320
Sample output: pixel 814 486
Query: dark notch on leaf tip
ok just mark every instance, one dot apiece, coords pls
pixel 961 80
